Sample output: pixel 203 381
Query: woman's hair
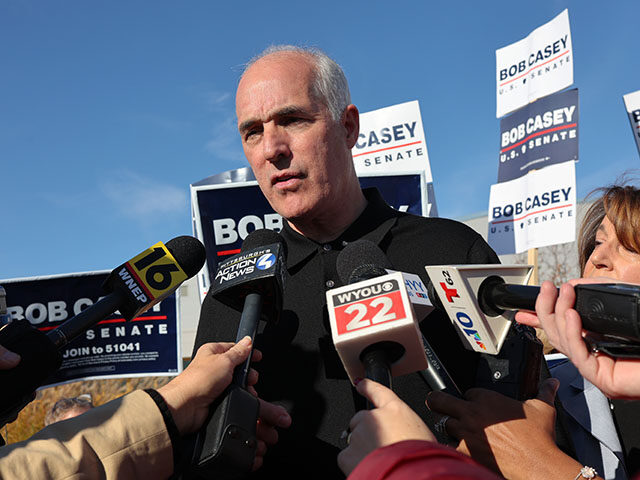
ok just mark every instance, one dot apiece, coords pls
pixel 621 205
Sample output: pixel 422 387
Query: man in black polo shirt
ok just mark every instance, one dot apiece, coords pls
pixel 298 126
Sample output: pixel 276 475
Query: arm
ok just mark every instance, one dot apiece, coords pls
pixel 391 421
pixel 419 460
pixel 514 439
pixel 616 377
pixel 127 438
pixel 391 442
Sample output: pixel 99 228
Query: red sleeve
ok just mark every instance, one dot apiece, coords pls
pixel 419 460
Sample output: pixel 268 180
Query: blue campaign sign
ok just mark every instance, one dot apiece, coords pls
pixel 147 345
pixel 226 213
pixel 543 133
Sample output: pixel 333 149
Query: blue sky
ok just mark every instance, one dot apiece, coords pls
pixel 109 110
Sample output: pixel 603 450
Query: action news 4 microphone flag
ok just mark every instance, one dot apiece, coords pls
pixel 632 104
pixel 540 134
pixel 534 67
pixel 145 346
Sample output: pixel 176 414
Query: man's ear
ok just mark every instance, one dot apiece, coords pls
pixel 351 124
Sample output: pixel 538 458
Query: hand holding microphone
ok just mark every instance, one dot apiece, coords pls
pixel 561 313
pixel 251 282
pixel 389 422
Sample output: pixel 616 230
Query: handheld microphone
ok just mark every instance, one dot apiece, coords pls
pixel 372 320
pixel 131 288
pixel 610 312
pixel 252 282
pixel 511 355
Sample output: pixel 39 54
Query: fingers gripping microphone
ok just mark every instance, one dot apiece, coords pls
pixel 372 320
pixel 131 288
pixel 250 282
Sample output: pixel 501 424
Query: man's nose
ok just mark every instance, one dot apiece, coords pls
pixel 275 144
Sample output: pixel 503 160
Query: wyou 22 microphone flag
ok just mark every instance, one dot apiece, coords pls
pixel 536 210
pixel 541 134
pixel 534 67
pixel 147 345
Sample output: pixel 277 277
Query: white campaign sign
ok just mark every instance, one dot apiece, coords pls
pixel 632 102
pixel 392 140
pixel 538 65
pixel 535 210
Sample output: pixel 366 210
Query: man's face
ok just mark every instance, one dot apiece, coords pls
pixel 298 153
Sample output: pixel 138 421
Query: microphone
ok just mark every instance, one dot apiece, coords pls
pixel 456 289
pixel 137 285
pixel 251 282
pixel 372 320
pixel 511 356
pixel 610 312
pixel 131 288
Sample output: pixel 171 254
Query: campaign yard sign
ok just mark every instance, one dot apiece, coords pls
pixel 148 345
pixel 391 139
pixel 535 210
pixel 534 67
pixel 542 133
pixel 632 103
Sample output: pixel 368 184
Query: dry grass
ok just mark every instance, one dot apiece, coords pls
pixel 31 418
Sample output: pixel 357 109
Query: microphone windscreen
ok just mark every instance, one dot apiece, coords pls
pixel 261 237
pixel 188 252
pixel 361 260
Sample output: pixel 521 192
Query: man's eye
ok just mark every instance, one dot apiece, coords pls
pixel 291 120
pixel 250 133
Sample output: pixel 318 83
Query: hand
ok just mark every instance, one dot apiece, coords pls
pixel 209 373
pixel 8 359
pixel 616 377
pixel 391 421
pixel 510 437
pixel 271 416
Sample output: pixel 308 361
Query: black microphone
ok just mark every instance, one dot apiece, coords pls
pixel 131 288
pixel 373 322
pixel 610 312
pixel 251 282
pixel 359 261
pixel 364 260
pixel 137 285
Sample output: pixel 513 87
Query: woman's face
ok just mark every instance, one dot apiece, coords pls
pixel 610 259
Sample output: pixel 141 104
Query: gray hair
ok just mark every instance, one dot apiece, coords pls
pixel 64 405
pixel 330 84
